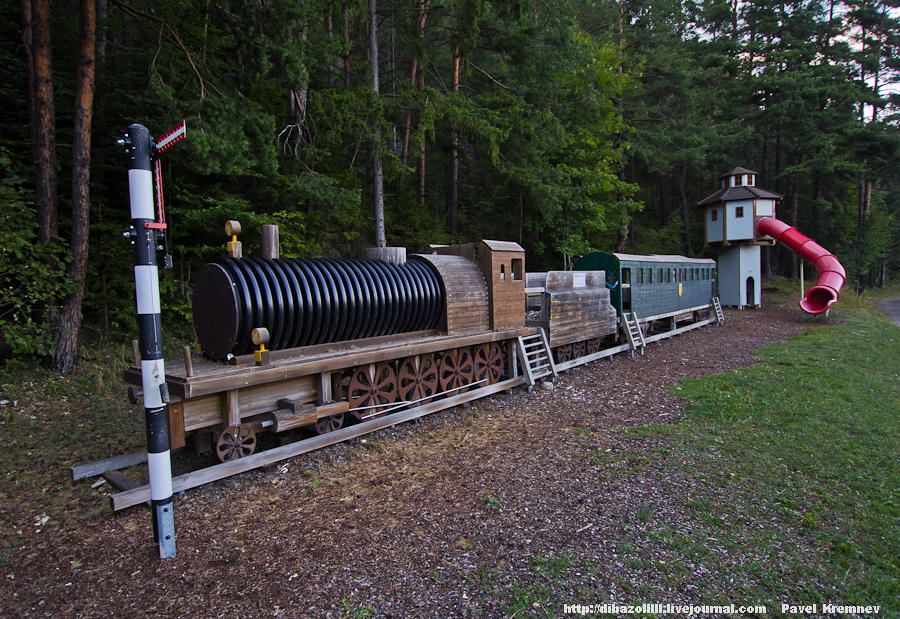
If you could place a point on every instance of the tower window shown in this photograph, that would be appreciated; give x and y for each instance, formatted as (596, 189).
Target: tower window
(516, 268)
(739, 211)
(714, 216)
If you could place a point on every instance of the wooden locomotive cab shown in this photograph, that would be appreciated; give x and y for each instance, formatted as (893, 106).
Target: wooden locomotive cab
(502, 266)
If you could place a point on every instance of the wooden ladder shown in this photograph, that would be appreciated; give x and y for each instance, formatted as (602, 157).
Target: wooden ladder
(633, 332)
(720, 315)
(534, 355)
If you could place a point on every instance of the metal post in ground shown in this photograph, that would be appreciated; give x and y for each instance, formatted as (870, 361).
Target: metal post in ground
(139, 147)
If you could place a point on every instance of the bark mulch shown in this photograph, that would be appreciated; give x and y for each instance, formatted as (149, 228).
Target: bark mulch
(455, 515)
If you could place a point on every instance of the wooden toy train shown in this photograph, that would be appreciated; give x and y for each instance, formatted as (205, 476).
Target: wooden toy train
(342, 347)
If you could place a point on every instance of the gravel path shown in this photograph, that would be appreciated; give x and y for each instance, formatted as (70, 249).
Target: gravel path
(892, 309)
(437, 518)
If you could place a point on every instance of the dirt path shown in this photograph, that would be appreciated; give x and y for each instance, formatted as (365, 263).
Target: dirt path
(421, 519)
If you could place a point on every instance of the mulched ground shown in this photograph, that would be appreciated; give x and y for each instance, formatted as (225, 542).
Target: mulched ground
(455, 515)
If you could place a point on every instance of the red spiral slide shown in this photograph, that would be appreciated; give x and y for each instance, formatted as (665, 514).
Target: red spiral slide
(820, 297)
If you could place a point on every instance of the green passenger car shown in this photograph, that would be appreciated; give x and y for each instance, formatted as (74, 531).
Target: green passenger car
(654, 286)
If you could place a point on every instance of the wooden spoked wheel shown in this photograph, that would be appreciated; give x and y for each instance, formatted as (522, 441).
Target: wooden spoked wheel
(372, 387)
(418, 379)
(235, 442)
(563, 353)
(488, 363)
(457, 370)
(329, 424)
(579, 349)
(594, 345)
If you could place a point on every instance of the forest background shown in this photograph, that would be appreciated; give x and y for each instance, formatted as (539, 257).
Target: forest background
(568, 126)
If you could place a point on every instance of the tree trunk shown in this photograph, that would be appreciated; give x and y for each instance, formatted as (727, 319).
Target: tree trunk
(685, 215)
(45, 119)
(454, 146)
(101, 131)
(622, 239)
(420, 85)
(816, 197)
(346, 13)
(662, 181)
(380, 240)
(864, 198)
(70, 320)
(29, 80)
(795, 218)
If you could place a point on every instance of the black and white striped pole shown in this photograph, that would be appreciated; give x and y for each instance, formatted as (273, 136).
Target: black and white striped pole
(144, 227)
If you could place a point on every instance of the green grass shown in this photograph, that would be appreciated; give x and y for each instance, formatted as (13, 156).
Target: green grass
(798, 457)
(786, 475)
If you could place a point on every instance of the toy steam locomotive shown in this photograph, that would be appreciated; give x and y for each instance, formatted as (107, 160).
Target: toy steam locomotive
(318, 344)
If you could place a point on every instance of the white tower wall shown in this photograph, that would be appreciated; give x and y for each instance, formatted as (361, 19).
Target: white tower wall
(740, 276)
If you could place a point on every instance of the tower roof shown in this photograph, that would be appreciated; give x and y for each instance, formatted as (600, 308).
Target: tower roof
(743, 192)
(738, 170)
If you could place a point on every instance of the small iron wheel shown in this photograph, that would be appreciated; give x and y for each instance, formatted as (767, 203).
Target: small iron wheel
(579, 349)
(594, 345)
(489, 363)
(329, 424)
(372, 387)
(457, 370)
(235, 442)
(418, 379)
(563, 353)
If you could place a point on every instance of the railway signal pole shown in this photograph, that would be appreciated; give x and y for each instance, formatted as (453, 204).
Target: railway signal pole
(144, 232)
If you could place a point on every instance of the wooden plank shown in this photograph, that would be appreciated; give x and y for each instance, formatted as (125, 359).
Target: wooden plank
(141, 494)
(608, 352)
(203, 412)
(676, 312)
(176, 425)
(210, 410)
(324, 388)
(285, 420)
(176, 372)
(99, 467)
(120, 481)
(232, 407)
(679, 330)
(255, 375)
(246, 373)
